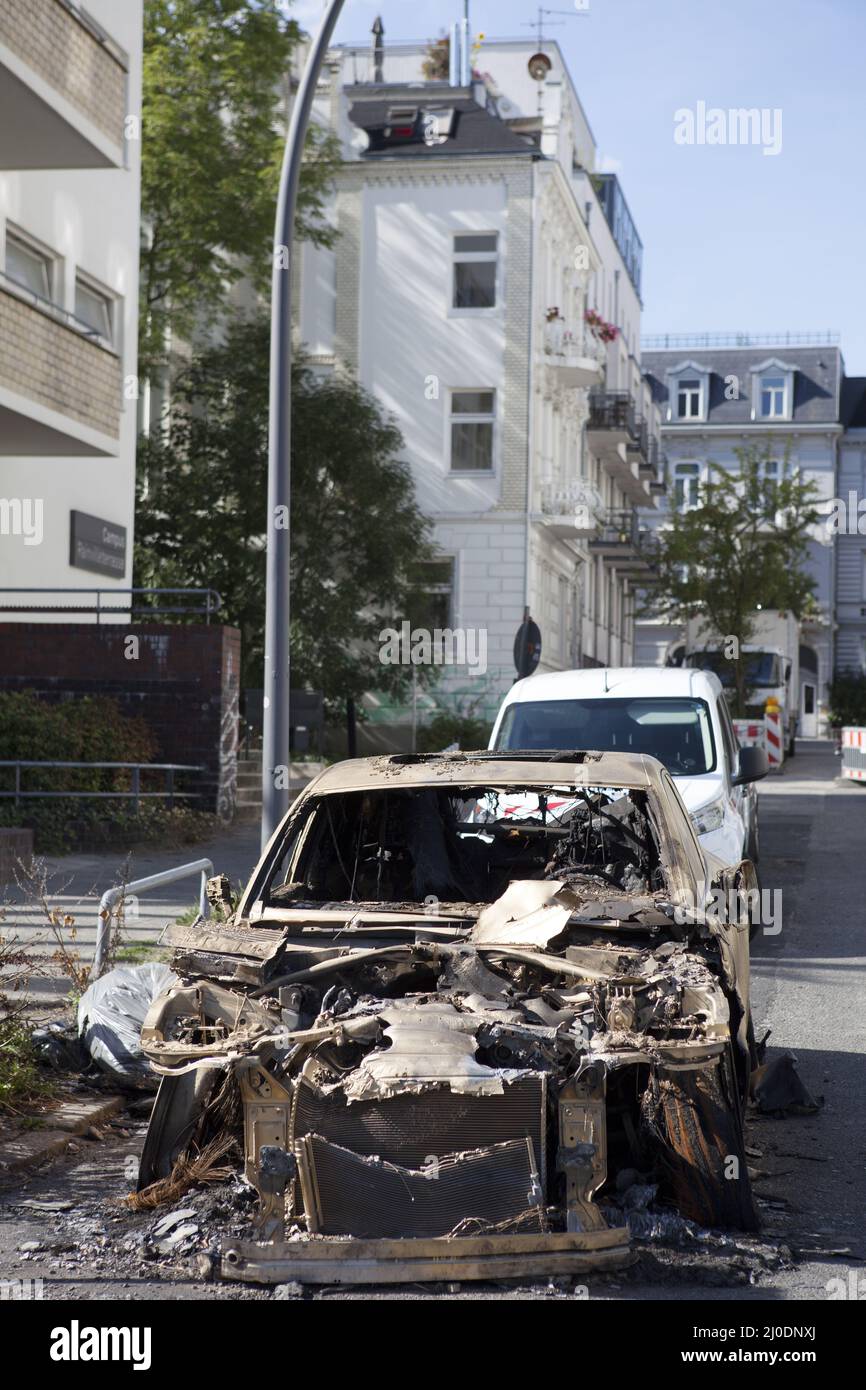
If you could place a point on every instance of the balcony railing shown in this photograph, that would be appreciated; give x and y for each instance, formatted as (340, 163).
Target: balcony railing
(575, 348)
(577, 498)
(623, 541)
(612, 410)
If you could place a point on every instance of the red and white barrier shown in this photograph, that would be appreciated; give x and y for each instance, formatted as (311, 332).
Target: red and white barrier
(750, 732)
(774, 734)
(767, 733)
(854, 753)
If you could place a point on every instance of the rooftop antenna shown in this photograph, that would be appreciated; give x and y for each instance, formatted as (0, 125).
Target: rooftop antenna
(538, 23)
(539, 64)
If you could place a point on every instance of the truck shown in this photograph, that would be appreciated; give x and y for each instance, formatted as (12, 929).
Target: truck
(772, 665)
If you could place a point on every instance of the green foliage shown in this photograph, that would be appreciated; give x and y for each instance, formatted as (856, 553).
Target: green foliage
(466, 730)
(356, 531)
(212, 146)
(91, 729)
(21, 1081)
(847, 699)
(744, 547)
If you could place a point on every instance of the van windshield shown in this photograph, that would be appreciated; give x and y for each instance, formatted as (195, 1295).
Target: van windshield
(762, 668)
(676, 731)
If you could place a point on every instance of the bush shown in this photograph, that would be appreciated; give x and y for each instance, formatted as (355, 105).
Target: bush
(467, 731)
(20, 1079)
(847, 699)
(91, 729)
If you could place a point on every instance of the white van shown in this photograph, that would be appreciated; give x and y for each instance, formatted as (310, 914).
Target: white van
(677, 715)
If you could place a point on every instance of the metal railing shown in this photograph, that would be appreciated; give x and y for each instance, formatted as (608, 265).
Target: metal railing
(211, 602)
(135, 794)
(142, 885)
(612, 410)
(658, 342)
(577, 495)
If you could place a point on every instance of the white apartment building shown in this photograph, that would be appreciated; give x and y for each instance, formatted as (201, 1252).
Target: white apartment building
(70, 153)
(485, 287)
(721, 392)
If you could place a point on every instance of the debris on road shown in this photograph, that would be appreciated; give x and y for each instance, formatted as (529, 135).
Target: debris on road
(110, 1015)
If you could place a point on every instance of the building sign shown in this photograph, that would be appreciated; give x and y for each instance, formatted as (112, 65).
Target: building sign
(97, 545)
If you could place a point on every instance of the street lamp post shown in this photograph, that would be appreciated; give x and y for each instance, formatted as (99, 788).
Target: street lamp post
(275, 749)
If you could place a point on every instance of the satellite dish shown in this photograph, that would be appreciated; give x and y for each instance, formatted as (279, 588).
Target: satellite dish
(539, 66)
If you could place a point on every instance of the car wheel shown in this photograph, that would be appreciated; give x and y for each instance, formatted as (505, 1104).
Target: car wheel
(703, 1156)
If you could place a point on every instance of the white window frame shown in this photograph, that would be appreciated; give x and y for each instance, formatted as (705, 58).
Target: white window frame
(475, 257)
(773, 368)
(40, 251)
(112, 301)
(688, 371)
(694, 473)
(473, 418)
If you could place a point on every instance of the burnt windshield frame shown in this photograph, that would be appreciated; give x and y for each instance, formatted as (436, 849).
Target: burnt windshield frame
(607, 702)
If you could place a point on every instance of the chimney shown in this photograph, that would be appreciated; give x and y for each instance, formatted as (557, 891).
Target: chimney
(378, 50)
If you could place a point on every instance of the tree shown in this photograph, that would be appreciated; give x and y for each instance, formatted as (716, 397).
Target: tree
(357, 533)
(743, 547)
(212, 146)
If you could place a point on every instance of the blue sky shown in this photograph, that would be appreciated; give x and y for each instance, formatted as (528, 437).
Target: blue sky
(733, 239)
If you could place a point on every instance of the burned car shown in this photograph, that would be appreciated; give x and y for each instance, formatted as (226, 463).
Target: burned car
(461, 995)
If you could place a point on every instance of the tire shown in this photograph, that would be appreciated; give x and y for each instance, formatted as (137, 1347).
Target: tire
(700, 1126)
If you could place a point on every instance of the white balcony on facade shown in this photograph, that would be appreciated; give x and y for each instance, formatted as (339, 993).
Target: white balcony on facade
(63, 88)
(574, 353)
(571, 511)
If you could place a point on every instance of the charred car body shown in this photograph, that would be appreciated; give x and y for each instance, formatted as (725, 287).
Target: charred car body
(460, 995)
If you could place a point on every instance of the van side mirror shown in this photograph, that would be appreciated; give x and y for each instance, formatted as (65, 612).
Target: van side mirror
(752, 765)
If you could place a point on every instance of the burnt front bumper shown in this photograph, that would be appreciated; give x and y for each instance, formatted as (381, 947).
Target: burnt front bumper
(320, 1260)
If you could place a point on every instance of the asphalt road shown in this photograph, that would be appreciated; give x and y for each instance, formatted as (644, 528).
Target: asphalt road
(807, 986)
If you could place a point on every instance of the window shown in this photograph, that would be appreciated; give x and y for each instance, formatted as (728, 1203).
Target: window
(689, 399)
(676, 731)
(773, 397)
(687, 477)
(431, 601)
(28, 267)
(472, 419)
(93, 309)
(475, 265)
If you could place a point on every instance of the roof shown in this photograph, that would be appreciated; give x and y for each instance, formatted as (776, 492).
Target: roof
(484, 769)
(816, 383)
(618, 682)
(475, 131)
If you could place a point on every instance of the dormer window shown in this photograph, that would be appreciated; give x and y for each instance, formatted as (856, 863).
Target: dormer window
(688, 392)
(689, 399)
(773, 397)
(772, 391)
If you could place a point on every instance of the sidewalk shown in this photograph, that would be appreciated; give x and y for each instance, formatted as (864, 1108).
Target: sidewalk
(76, 883)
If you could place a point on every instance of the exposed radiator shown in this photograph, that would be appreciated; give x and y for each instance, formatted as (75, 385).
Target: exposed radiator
(409, 1129)
(345, 1194)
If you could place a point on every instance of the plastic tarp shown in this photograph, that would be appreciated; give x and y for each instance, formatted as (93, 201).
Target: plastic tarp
(111, 1013)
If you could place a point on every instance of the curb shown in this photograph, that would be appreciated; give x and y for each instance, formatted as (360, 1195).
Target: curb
(72, 1118)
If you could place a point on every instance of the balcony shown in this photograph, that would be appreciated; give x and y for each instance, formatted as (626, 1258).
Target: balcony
(60, 385)
(614, 435)
(63, 85)
(623, 543)
(572, 511)
(574, 353)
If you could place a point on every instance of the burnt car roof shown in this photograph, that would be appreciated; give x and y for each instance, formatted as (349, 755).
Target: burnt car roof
(580, 767)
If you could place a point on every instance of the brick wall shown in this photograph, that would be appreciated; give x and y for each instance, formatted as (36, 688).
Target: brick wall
(44, 360)
(65, 54)
(184, 683)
